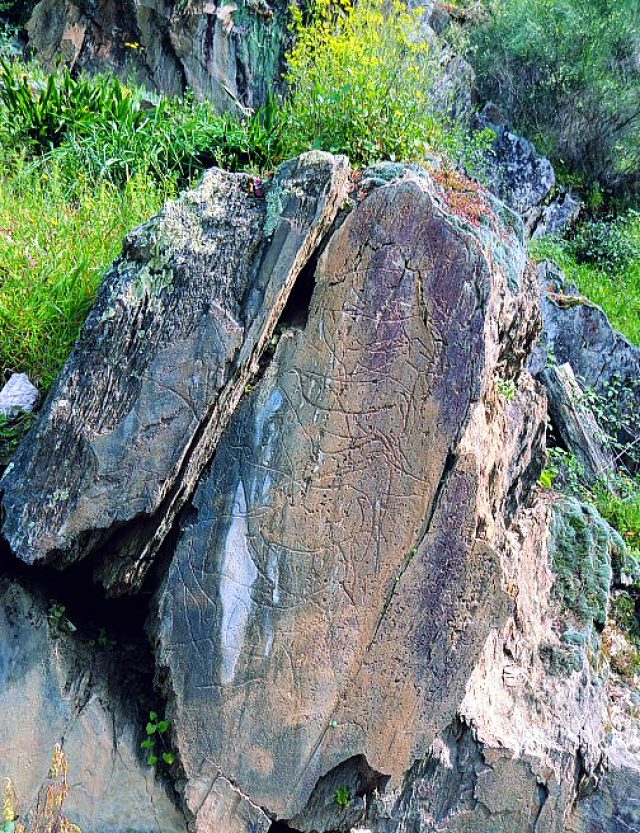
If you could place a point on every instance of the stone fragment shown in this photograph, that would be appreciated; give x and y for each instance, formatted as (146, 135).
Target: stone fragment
(575, 424)
(18, 396)
(174, 338)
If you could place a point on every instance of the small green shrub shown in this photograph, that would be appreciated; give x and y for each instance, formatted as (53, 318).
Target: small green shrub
(613, 244)
(343, 797)
(622, 510)
(155, 743)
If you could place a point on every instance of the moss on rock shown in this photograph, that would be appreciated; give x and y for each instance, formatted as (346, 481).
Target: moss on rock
(581, 546)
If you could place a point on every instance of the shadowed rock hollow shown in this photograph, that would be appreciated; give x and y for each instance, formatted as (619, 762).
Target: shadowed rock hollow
(309, 416)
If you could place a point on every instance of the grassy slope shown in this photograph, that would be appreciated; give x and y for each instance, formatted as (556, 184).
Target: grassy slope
(54, 249)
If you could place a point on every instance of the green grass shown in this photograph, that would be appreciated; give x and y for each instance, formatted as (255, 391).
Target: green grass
(616, 290)
(85, 159)
(55, 244)
(622, 510)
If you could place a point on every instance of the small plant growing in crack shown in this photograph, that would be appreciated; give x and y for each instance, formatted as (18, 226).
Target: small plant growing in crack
(102, 640)
(507, 388)
(59, 622)
(343, 797)
(156, 744)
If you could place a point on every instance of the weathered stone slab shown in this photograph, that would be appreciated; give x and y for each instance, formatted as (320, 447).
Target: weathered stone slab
(175, 336)
(575, 423)
(336, 579)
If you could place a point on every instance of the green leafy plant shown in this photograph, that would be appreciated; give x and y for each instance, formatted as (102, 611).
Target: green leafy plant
(59, 622)
(507, 388)
(547, 477)
(343, 797)
(614, 243)
(155, 743)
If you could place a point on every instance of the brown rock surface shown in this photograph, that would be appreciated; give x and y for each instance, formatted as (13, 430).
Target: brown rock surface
(338, 579)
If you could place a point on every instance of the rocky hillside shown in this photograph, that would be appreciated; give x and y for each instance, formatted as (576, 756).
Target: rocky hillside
(300, 431)
(284, 548)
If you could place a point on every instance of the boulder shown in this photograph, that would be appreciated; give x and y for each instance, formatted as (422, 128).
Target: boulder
(577, 332)
(515, 171)
(18, 396)
(228, 53)
(337, 575)
(174, 338)
(55, 689)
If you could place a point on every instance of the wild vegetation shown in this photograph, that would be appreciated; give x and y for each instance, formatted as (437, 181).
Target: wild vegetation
(603, 260)
(566, 72)
(85, 159)
(47, 814)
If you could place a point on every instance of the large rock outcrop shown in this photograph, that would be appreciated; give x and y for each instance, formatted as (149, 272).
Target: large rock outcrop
(229, 53)
(175, 336)
(315, 408)
(336, 584)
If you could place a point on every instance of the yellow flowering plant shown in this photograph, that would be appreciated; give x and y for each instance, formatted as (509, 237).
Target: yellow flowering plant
(360, 80)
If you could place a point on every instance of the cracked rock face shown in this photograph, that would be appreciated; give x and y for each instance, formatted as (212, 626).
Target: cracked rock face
(175, 335)
(578, 332)
(55, 691)
(228, 53)
(316, 404)
(529, 750)
(337, 578)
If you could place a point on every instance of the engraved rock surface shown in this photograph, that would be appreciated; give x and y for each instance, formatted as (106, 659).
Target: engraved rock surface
(336, 579)
(173, 339)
